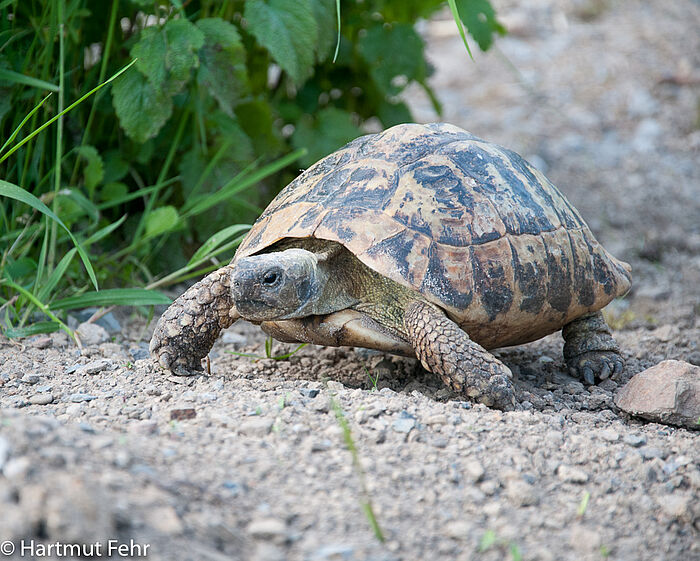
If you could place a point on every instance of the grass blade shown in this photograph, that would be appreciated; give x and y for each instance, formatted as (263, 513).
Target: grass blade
(137, 194)
(104, 232)
(458, 21)
(113, 297)
(55, 275)
(19, 127)
(66, 110)
(43, 307)
(337, 43)
(236, 185)
(34, 329)
(216, 240)
(18, 78)
(14, 192)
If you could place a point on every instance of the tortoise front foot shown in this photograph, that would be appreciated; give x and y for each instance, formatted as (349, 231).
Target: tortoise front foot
(466, 367)
(590, 351)
(187, 330)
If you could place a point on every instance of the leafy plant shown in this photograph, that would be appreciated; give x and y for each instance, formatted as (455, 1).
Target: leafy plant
(224, 102)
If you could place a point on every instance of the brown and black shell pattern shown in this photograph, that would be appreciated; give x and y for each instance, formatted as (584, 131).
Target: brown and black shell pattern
(471, 225)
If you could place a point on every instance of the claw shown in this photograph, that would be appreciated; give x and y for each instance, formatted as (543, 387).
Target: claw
(605, 371)
(618, 367)
(588, 375)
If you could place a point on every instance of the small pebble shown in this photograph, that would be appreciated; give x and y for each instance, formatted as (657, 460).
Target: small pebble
(93, 367)
(268, 528)
(80, 397)
(458, 530)
(139, 353)
(41, 342)
(182, 414)
(92, 334)
(404, 424)
(635, 440)
(571, 474)
(309, 392)
(609, 435)
(649, 452)
(257, 426)
(521, 493)
(41, 399)
(30, 378)
(474, 470)
(334, 386)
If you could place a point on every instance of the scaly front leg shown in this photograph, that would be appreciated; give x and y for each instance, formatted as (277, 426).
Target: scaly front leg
(446, 350)
(188, 329)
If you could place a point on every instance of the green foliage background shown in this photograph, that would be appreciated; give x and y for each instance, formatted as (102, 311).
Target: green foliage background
(226, 102)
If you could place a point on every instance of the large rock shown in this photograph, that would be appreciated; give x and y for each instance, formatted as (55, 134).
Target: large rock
(667, 393)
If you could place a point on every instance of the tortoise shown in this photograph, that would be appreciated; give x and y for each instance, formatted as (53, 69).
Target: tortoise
(422, 240)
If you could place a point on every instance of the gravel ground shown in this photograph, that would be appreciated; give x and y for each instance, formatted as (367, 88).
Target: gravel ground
(250, 461)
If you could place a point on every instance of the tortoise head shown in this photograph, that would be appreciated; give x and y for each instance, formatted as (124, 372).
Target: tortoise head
(279, 285)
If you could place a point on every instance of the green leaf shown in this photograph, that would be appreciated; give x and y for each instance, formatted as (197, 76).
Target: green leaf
(115, 190)
(222, 70)
(394, 55)
(287, 29)
(183, 40)
(167, 54)
(17, 78)
(94, 170)
(115, 166)
(55, 276)
(34, 329)
(142, 110)
(229, 131)
(480, 19)
(150, 52)
(22, 267)
(161, 220)
(14, 192)
(460, 27)
(331, 129)
(80, 202)
(325, 16)
(113, 297)
(216, 240)
(104, 232)
(258, 123)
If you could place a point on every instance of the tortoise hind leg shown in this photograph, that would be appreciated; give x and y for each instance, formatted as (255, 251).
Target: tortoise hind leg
(446, 350)
(590, 350)
(188, 329)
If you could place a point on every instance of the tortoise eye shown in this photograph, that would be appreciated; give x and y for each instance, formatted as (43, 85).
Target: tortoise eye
(270, 278)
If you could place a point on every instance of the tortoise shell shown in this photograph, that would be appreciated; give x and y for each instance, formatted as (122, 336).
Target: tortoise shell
(472, 226)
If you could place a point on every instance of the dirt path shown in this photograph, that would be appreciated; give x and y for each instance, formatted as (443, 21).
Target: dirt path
(250, 462)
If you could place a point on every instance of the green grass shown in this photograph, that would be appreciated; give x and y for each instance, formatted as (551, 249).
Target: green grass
(365, 499)
(491, 540)
(583, 505)
(373, 379)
